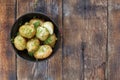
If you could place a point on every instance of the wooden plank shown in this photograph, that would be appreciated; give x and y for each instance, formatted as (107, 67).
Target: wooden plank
(114, 40)
(73, 27)
(95, 38)
(29, 70)
(7, 55)
(54, 10)
(95, 51)
(85, 39)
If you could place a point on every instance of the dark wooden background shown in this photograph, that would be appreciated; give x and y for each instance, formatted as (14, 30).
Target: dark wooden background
(90, 46)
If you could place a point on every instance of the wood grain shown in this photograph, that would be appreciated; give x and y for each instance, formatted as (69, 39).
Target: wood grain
(7, 55)
(85, 36)
(114, 40)
(95, 51)
(95, 37)
(73, 24)
(89, 48)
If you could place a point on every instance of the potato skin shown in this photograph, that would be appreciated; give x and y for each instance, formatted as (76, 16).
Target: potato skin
(33, 45)
(27, 31)
(42, 33)
(44, 51)
(20, 42)
(51, 40)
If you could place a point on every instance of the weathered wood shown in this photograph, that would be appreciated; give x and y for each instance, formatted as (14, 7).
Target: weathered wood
(95, 50)
(85, 39)
(73, 26)
(7, 55)
(89, 49)
(114, 40)
(95, 38)
(54, 10)
(27, 70)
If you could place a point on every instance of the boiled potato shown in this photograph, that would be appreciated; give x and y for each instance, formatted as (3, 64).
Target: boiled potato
(20, 42)
(36, 22)
(42, 33)
(51, 40)
(49, 26)
(43, 52)
(27, 31)
(32, 45)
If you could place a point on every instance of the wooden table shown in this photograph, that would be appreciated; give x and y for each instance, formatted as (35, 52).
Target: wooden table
(90, 45)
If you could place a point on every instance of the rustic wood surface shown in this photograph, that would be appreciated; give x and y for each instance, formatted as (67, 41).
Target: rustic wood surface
(7, 58)
(113, 40)
(89, 48)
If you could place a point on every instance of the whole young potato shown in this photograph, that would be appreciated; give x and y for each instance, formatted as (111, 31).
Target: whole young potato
(42, 33)
(43, 52)
(49, 26)
(36, 22)
(27, 31)
(51, 40)
(20, 42)
(32, 45)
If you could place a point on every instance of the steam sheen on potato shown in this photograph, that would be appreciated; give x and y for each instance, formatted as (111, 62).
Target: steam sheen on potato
(49, 26)
(33, 45)
(20, 42)
(43, 52)
(42, 33)
(27, 31)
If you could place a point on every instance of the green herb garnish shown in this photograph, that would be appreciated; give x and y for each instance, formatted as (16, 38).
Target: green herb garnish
(30, 53)
(48, 41)
(36, 24)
